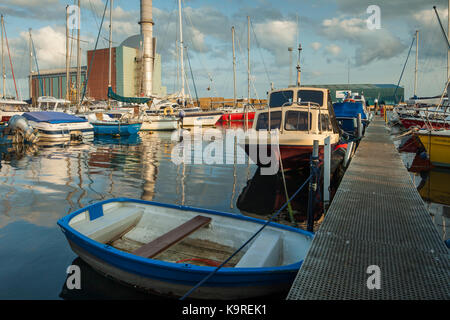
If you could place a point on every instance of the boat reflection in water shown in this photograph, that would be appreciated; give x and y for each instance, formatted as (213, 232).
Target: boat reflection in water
(434, 188)
(265, 194)
(95, 286)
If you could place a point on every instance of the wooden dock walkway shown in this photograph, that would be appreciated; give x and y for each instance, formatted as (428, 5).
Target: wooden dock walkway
(377, 218)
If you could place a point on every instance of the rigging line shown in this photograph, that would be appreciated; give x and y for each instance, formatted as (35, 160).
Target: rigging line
(192, 76)
(41, 82)
(262, 57)
(95, 14)
(10, 61)
(93, 54)
(165, 41)
(401, 75)
(207, 71)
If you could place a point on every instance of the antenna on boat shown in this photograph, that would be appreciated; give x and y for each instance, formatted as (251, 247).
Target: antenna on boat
(299, 72)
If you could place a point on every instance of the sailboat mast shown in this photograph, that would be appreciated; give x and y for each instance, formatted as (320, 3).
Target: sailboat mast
(67, 56)
(181, 51)
(3, 58)
(248, 57)
(417, 59)
(448, 36)
(78, 88)
(234, 69)
(110, 42)
(30, 80)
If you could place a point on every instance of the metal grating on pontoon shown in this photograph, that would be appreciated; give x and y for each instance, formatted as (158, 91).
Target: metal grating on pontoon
(378, 218)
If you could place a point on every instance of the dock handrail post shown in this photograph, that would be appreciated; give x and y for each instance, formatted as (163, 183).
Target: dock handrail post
(360, 127)
(312, 185)
(326, 172)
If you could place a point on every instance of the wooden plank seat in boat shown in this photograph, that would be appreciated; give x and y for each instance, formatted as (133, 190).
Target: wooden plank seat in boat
(172, 237)
(265, 251)
(111, 225)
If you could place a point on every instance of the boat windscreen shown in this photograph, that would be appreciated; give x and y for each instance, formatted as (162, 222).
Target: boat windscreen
(304, 96)
(263, 121)
(297, 121)
(281, 98)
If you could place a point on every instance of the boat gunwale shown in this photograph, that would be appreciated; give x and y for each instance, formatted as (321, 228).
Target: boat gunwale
(63, 223)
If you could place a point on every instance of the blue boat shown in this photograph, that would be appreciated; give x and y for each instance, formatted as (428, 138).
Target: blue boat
(105, 125)
(116, 128)
(168, 249)
(347, 111)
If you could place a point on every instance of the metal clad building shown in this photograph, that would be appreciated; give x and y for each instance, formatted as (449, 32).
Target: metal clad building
(126, 71)
(52, 83)
(98, 64)
(382, 92)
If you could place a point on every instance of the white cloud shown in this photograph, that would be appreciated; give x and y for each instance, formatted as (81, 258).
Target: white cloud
(370, 45)
(276, 36)
(316, 46)
(333, 49)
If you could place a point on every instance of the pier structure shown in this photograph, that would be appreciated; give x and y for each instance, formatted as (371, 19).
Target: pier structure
(377, 241)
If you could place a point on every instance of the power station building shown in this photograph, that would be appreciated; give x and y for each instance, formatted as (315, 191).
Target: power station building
(384, 93)
(126, 71)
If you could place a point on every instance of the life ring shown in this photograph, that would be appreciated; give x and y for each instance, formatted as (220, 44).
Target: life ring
(167, 109)
(349, 100)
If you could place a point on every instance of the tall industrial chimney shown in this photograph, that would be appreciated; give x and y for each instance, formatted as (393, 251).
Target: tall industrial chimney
(147, 36)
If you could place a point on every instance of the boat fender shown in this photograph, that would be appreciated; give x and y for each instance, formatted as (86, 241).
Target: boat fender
(168, 109)
(342, 145)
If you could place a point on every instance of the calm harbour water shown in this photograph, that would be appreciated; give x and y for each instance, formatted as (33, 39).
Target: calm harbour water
(40, 185)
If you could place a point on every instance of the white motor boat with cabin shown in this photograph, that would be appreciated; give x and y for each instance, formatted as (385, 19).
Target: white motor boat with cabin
(300, 115)
(59, 127)
(52, 104)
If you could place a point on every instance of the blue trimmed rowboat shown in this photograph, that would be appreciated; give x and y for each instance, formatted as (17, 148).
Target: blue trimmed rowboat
(168, 249)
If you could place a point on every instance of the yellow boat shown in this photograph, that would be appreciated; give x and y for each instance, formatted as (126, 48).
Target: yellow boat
(436, 188)
(437, 144)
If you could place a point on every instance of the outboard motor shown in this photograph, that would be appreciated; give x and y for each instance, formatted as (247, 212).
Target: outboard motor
(20, 126)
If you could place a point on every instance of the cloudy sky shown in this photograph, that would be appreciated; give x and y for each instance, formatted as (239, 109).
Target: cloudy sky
(337, 44)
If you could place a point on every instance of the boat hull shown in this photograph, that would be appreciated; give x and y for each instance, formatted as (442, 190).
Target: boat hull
(412, 122)
(180, 283)
(437, 147)
(160, 125)
(293, 157)
(62, 133)
(204, 120)
(237, 116)
(176, 279)
(124, 129)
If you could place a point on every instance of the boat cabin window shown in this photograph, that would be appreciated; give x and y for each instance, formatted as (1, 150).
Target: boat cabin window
(263, 121)
(325, 122)
(305, 96)
(281, 98)
(297, 121)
